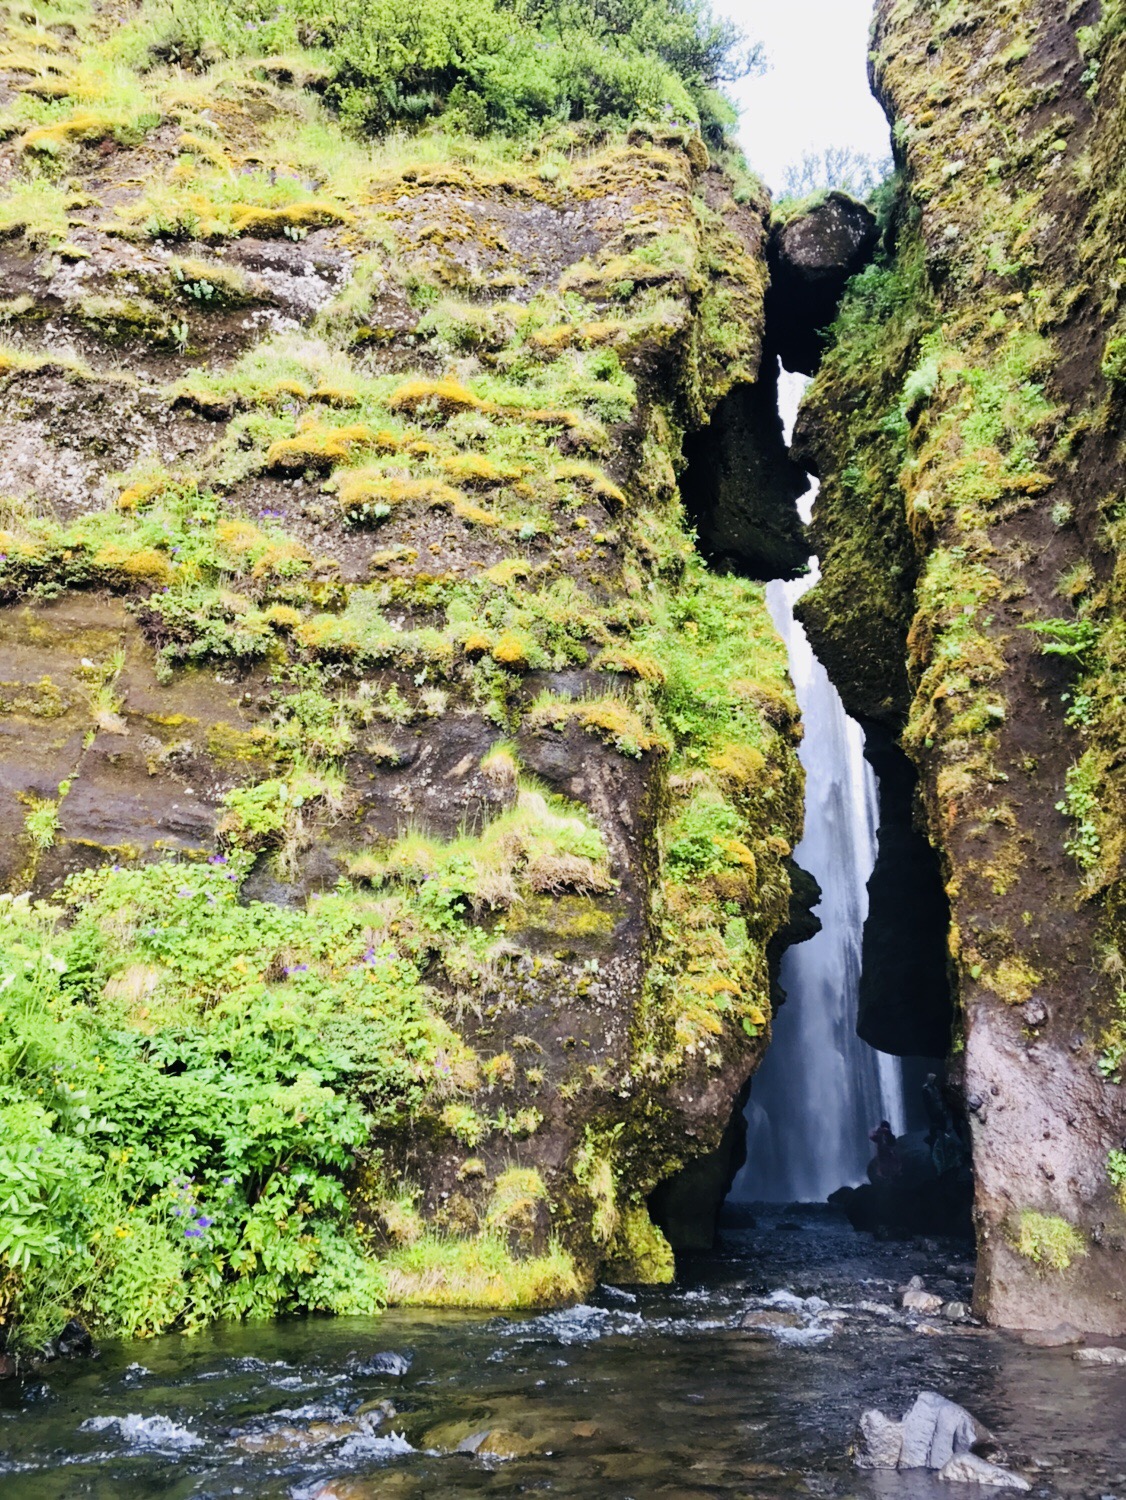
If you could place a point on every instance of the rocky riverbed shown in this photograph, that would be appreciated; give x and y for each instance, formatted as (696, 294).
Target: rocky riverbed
(658, 1393)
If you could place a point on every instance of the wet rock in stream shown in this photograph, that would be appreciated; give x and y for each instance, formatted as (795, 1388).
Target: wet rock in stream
(935, 1434)
(968, 1468)
(386, 1363)
(1105, 1356)
(1052, 1338)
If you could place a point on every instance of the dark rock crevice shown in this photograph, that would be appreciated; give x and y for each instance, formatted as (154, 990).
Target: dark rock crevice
(905, 999)
(741, 488)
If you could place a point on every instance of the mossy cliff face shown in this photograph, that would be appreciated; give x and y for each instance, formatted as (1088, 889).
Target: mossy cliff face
(406, 806)
(968, 429)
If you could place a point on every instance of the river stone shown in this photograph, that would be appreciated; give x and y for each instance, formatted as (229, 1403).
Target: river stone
(495, 1442)
(386, 1363)
(1052, 1338)
(935, 1430)
(918, 1301)
(295, 1439)
(1104, 1356)
(968, 1468)
(956, 1312)
(881, 1442)
(768, 1319)
(74, 1342)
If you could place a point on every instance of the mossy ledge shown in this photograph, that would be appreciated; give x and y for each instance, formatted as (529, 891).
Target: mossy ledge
(395, 811)
(968, 424)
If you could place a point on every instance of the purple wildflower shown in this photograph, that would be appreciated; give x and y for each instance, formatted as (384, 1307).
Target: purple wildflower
(205, 1222)
(193, 1234)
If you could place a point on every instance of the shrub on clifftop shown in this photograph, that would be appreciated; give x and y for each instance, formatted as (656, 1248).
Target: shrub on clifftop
(485, 64)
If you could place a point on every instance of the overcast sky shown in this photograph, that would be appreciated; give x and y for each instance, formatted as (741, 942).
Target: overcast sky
(815, 93)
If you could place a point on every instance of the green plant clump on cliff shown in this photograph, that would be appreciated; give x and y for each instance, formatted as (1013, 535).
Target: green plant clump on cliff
(187, 1079)
(485, 64)
(1051, 1242)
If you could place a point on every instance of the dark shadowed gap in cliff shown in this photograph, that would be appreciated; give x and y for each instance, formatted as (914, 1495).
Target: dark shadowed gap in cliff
(741, 487)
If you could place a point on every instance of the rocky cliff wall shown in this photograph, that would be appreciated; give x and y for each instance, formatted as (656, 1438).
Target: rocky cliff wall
(404, 808)
(967, 426)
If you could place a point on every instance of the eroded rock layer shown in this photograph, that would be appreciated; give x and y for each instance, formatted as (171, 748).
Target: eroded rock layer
(967, 425)
(408, 807)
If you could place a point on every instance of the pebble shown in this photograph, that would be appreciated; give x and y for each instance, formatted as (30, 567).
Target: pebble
(917, 1300)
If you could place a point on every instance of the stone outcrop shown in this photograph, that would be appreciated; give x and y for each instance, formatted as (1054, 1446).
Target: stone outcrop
(966, 428)
(812, 254)
(343, 566)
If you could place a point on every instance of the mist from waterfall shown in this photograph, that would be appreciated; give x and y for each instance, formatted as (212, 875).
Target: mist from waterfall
(820, 1089)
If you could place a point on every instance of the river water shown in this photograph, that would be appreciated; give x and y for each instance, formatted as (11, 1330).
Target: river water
(656, 1393)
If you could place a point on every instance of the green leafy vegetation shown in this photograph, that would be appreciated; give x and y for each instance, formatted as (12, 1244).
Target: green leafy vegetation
(1116, 1172)
(179, 1122)
(485, 65)
(1051, 1242)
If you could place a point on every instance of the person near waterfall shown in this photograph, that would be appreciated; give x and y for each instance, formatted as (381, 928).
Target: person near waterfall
(887, 1166)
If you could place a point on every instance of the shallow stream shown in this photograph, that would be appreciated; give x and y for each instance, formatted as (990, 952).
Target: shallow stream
(657, 1393)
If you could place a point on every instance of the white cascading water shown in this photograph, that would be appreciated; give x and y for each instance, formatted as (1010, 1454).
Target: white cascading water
(820, 1089)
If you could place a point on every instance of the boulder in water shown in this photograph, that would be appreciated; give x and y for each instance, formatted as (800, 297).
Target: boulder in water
(969, 1468)
(385, 1363)
(767, 1320)
(935, 1430)
(1104, 1356)
(74, 1342)
(1052, 1338)
(495, 1442)
(917, 1300)
(932, 1433)
(881, 1442)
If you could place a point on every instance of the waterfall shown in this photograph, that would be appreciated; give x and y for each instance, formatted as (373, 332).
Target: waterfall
(820, 1089)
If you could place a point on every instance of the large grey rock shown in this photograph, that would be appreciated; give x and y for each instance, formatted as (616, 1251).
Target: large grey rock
(969, 1468)
(935, 1430)
(880, 1443)
(1104, 1356)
